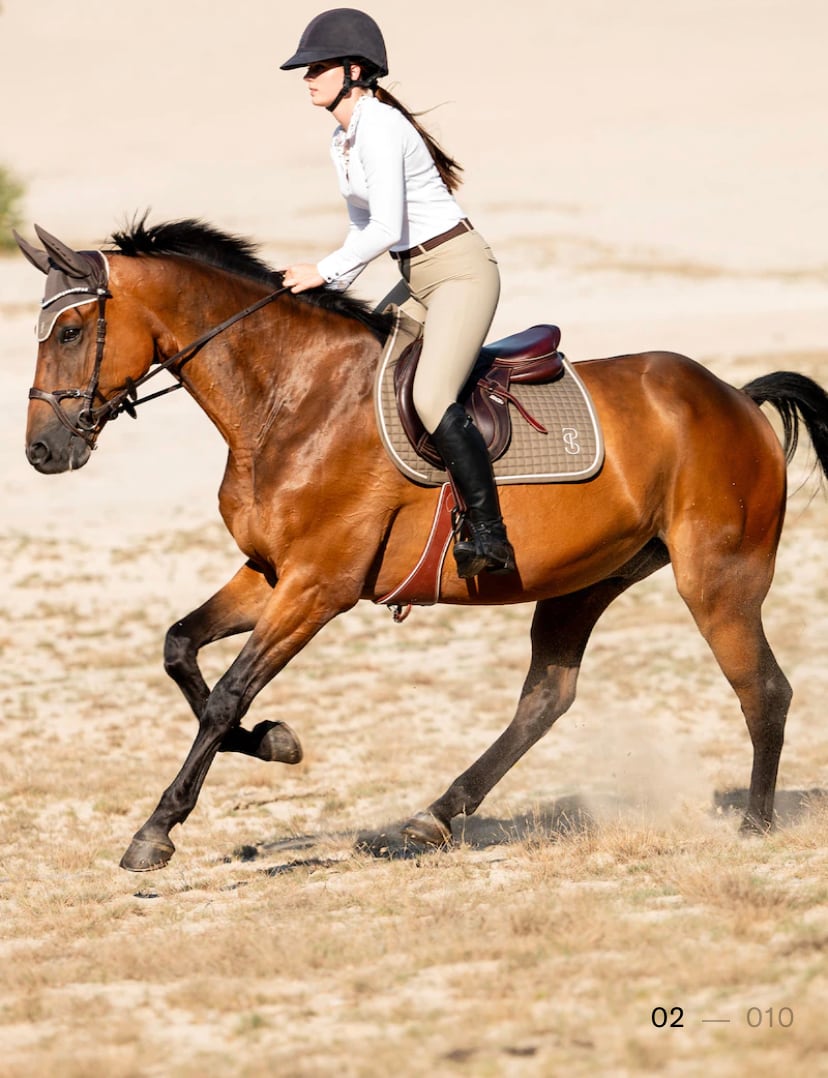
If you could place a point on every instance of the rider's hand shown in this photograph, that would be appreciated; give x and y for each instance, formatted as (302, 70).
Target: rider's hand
(302, 276)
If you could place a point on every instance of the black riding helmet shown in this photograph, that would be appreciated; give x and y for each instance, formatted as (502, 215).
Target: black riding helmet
(344, 34)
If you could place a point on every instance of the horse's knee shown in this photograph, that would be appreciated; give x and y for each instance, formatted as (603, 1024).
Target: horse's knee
(179, 653)
(222, 712)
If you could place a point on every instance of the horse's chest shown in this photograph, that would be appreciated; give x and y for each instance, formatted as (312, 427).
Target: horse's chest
(249, 528)
(248, 518)
(263, 517)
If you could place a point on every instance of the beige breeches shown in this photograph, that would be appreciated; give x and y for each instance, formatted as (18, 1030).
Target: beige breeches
(454, 289)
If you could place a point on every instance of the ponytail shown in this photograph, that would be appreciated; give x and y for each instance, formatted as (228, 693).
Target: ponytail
(448, 168)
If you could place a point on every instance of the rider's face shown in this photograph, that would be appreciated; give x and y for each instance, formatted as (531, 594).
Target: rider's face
(324, 81)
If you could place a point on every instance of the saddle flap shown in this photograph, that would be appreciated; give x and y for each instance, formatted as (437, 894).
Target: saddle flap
(416, 433)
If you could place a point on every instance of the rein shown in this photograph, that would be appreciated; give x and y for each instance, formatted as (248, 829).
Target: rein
(90, 420)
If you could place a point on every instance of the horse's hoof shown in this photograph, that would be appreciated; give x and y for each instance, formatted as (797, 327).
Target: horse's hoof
(144, 855)
(277, 742)
(425, 829)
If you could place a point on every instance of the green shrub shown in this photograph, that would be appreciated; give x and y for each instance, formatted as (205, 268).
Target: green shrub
(11, 191)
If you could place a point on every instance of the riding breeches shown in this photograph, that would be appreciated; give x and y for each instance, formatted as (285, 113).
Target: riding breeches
(456, 286)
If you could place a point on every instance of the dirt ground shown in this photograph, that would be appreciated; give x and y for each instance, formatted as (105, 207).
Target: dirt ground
(649, 177)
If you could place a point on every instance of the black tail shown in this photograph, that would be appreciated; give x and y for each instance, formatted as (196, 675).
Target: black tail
(796, 398)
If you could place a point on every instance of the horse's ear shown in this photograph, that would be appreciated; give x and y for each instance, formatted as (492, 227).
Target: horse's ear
(71, 262)
(39, 259)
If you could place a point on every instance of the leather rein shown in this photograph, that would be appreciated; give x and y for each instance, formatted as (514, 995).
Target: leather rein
(90, 420)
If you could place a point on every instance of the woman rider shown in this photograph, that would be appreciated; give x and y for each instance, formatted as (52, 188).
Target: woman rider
(398, 184)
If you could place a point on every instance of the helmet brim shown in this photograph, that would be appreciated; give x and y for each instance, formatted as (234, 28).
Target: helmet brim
(304, 57)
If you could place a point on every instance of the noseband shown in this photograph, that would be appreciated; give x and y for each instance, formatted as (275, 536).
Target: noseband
(91, 420)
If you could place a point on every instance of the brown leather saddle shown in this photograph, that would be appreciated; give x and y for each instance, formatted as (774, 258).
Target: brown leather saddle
(527, 358)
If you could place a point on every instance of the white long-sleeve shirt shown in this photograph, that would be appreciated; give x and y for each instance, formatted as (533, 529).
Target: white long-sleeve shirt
(395, 196)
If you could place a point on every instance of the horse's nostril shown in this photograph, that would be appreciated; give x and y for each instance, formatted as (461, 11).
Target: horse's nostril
(37, 453)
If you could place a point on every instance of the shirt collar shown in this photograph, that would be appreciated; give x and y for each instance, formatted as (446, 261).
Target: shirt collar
(343, 137)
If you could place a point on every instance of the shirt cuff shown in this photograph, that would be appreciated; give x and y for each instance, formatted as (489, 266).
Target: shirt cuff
(338, 282)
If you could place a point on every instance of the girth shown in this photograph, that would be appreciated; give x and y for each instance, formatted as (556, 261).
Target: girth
(527, 358)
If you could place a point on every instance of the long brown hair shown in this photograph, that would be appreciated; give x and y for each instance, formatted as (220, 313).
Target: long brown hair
(448, 168)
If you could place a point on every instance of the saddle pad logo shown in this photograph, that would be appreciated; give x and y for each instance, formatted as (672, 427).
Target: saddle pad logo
(570, 440)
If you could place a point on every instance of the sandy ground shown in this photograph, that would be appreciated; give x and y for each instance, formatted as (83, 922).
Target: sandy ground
(650, 174)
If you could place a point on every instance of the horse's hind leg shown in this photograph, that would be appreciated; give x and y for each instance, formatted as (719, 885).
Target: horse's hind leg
(726, 603)
(560, 631)
(233, 609)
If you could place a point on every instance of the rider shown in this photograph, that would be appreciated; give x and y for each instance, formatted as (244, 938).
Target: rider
(399, 184)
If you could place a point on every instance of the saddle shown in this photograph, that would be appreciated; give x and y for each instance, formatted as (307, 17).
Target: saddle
(527, 358)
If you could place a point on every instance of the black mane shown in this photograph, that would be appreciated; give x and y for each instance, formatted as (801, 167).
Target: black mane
(198, 240)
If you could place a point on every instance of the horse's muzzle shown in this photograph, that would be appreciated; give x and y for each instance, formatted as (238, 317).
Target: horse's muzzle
(56, 450)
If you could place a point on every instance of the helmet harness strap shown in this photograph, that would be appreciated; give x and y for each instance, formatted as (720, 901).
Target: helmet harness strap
(348, 83)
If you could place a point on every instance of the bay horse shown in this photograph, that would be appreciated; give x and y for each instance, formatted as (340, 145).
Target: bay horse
(693, 476)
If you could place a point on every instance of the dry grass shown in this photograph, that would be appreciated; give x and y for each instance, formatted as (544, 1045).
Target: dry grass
(603, 878)
(545, 955)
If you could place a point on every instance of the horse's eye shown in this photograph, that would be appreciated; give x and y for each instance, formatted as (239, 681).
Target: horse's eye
(69, 334)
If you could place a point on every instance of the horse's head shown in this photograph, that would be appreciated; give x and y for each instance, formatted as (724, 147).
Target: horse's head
(75, 391)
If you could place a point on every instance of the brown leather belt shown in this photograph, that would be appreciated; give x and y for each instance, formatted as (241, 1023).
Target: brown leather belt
(462, 226)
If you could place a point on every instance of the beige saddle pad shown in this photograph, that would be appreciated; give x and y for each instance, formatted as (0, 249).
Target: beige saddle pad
(572, 449)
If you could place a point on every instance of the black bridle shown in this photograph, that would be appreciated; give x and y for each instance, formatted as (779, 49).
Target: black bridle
(90, 419)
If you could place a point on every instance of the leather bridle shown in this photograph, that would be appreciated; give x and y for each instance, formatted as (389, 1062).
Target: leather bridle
(85, 426)
(90, 419)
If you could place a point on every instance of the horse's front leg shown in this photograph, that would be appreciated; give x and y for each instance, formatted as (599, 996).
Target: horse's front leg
(297, 610)
(234, 609)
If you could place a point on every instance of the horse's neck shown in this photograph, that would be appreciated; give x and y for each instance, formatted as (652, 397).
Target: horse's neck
(227, 380)
(279, 372)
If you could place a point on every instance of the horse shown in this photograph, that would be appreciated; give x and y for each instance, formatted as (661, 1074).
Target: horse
(694, 476)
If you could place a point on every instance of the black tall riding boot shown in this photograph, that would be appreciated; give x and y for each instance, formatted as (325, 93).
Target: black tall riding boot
(464, 453)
